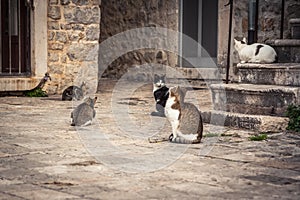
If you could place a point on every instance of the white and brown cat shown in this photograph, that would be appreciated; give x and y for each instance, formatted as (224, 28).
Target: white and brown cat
(255, 53)
(185, 118)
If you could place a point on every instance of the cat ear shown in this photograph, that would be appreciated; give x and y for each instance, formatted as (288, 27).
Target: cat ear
(155, 76)
(177, 88)
(95, 99)
(244, 40)
(184, 90)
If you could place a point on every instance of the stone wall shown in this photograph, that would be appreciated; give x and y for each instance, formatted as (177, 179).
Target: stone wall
(120, 16)
(73, 35)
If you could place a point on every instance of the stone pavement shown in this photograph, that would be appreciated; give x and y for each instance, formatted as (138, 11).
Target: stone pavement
(43, 157)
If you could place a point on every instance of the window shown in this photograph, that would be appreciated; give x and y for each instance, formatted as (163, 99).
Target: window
(15, 37)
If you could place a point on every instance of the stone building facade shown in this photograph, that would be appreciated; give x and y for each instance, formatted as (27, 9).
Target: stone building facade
(66, 35)
(73, 35)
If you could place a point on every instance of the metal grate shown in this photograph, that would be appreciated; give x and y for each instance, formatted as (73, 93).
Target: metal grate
(14, 37)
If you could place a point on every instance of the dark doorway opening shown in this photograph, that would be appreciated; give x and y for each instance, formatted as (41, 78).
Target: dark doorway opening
(199, 21)
(14, 37)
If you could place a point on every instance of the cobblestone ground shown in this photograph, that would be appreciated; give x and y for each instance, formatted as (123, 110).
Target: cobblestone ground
(43, 157)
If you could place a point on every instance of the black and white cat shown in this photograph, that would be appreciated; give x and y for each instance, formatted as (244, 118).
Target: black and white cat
(161, 94)
(255, 53)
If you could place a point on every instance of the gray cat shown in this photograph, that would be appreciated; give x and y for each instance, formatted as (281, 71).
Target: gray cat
(185, 118)
(84, 113)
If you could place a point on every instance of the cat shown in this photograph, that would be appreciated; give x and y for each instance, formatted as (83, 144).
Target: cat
(160, 93)
(185, 118)
(84, 113)
(73, 92)
(255, 53)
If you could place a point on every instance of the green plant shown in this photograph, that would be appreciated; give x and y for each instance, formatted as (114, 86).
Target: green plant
(293, 113)
(211, 135)
(259, 137)
(36, 93)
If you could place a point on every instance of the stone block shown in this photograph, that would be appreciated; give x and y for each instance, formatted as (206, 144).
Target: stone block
(53, 25)
(61, 37)
(92, 33)
(270, 74)
(53, 57)
(65, 2)
(54, 12)
(55, 46)
(82, 15)
(83, 52)
(254, 99)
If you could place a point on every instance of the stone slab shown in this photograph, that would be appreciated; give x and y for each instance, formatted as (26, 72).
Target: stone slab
(260, 123)
(287, 74)
(254, 99)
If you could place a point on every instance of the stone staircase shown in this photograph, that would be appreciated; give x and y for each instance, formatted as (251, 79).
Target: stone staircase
(264, 91)
(260, 99)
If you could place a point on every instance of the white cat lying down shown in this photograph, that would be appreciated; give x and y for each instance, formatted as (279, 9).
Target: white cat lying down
(255, 53)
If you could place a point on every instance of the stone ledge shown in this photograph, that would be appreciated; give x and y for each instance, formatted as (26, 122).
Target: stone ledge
(269, 66)
(17, 84)
(285, 42)
(285, 74)
(260, 123)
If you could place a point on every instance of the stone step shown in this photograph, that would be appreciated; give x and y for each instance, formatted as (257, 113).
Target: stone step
(287, 74)
(254, 99)
(259, 123)
(288, 50)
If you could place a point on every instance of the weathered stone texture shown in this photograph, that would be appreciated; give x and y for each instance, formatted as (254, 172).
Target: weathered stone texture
(120, 16)
(73, 35)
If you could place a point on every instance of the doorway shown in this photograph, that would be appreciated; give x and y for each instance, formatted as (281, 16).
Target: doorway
(199, 21)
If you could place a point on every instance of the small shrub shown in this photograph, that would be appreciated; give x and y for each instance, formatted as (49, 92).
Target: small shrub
(293, 113)
(36, 93)
(258, 137)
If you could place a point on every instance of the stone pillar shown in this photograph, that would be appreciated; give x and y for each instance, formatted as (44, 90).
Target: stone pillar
(73, 41)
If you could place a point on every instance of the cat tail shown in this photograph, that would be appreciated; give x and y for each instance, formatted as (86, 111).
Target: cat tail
(183, 140)
(200, 128)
